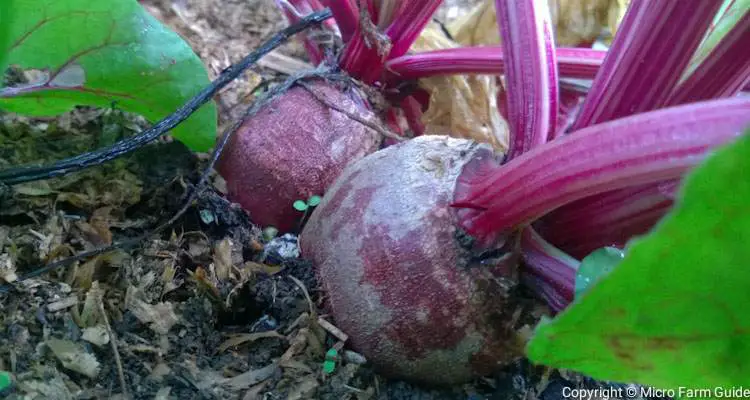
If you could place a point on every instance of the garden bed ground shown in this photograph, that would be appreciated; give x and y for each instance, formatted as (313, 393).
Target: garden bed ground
(208, 310)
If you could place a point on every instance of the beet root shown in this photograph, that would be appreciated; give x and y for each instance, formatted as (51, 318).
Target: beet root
(294, 148)
(401, 279)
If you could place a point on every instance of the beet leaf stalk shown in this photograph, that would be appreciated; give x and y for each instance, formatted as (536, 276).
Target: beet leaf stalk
(640, 149)
(531, 72)
(370, 47)
(724, 72)
(655, 40)
(609, 219)
(719, 73)
(549, 271)
(571, 62)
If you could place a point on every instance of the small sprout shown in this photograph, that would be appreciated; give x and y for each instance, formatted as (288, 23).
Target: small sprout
(313, 201)
(6, 382)
(300, 205)
(329, 365)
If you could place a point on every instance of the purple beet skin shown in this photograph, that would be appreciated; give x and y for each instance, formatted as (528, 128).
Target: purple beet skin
(294, 148)
(400, 278)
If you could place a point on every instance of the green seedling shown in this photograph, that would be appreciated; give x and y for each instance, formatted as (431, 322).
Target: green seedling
(6, 382)
(302, 206)
(306, 207)
(329, 365)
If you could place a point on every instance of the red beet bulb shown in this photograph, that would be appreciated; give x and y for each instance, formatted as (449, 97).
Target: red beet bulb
(400, 277)
(294, 148)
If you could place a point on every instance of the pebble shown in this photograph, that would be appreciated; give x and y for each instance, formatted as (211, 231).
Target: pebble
(285, 246)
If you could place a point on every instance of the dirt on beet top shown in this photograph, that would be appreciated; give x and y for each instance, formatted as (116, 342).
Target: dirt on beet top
(213, 308)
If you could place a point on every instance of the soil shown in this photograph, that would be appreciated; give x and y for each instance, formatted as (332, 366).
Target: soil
(212, 308)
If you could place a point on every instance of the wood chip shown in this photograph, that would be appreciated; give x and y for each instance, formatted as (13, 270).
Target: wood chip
(338, 333)
(63, 304)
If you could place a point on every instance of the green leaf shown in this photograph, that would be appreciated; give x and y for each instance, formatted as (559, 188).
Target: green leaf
(313, 201)
(300, 205)
(97, 53)
(6, 14)
(595, 266)
(674, 313)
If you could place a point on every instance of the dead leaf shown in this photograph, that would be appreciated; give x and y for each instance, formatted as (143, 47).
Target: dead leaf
(7, 268)
(160, 317)
(163, 393)
(74, 357)
(160, 371)
(239, 339)
(35, 188)
(477, 27)
(90, 315)
(254, 393)
(575, 22)
(266, 269)
(50, 385)
(580, 22)
(297, 345)
(297, 365)
(462, 106)
(223, 259)
(97, 335)
(100, 221)
(304, 389)
(252, 377)
(4, 233)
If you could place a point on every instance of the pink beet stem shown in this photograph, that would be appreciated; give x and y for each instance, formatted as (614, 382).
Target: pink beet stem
(645, 148)
(413, 113)
(488, 60)
(408, 22)
(649, 53)
(548, 271)
(724, 72)
(531, 72)
(346, 14)
(412, 17)
(608, 219)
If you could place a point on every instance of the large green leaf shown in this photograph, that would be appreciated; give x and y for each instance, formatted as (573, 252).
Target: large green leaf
(675, 312)
(6, 13)
(103, 52)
